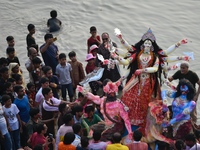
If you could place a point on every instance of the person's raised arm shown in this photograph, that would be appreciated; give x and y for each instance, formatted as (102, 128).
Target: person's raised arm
(44, 48)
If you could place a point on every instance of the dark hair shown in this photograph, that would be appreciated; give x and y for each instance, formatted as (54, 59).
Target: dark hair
(36, 60)
(3, 60)
(29, 85)
(116, 137)
(62, 55)
(137, 135)
(80, 94)
(10, 50)
(162, 145)
(16, 76)
(34, 111)
(61, 107)
(191, 89)
(40, 127)
(44, 80)
(46, 69)
(5, 98)
(84, 141)
(9, 38)
(96, 135)
(72, 54)
(77, 108)
(7, 85)
(38, 147)
(69, 138)
(93, 28)
(45, 91)
(67, 118)
(190, 137)
(88, 109)
(30, 27)
(179, 144)
(11, 80)
(48, 36)
(76, 128)
(3, 69)
(17, 88)
(53, 13)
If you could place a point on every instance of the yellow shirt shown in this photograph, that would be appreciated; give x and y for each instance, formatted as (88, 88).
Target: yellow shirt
(116, 146)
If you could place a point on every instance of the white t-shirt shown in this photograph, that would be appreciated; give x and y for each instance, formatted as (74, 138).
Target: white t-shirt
(11, 116)
(3, 126)
(195, 147)
(97, 146)
(56, 102)
(39, 96)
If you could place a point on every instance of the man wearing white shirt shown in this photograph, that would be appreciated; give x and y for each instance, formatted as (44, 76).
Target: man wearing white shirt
(78, 132)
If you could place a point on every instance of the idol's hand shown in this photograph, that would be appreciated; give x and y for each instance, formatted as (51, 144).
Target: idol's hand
(114, 55)
(118, 33)
(81, 90)
(130, 136)
(138, 72)
(186, 58)
(106, 61)
(183, 41)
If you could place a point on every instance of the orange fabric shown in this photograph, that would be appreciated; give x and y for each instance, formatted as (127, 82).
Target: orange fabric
(62, 146)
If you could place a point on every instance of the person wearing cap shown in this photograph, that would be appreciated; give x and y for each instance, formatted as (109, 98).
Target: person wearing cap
(94, 85)
(184, 72)
(93, 50)
(94, 39)
(50, 52)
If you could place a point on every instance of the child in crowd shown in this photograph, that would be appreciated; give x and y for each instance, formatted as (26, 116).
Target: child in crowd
(77, 69)
(10, 41)
(11, 58)
(53, 23)
(67, 142)
(93, 50)
(63, 109)
(14, 122)
(94, 85)
(64, 73)
(31, 93)
(3, 62)
(30, 40)
(84, 143)
(94, 39)
(3, 78)
(8, 90)
(77, 112)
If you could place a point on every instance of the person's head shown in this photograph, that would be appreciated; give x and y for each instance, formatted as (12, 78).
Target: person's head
(116, 137)
(44, 82)
(3, 62)
(105, 37)
(10, 40)
(47, 93)
(4, 73)
(68, 119)
(36, 62)
(93, 31)
(77, 128)
(14, 67)
(90, 111)
(34, 113)
(48, 71)
(31, 28)
(137, 135)
(72, 56)
(8, 87)
(10, 51)
(31, 87)
(90, 58)
(163, 145)
(185, 87)
(38, 147)
(62, 108)
(96, 135)
(7, 100)
(77, 111)
(12, 80)
(48, 36)
(19, 90)
(93, 50)
(179, 145)
(18, 78)
(190, 140)
(33, 52)
(84, 141)
(41, 128)
(68, 138)
(184, 67)
(63, 59)
(53, 13)
(80, 96)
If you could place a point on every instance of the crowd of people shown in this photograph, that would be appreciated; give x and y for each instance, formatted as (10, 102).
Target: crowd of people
(52, 111)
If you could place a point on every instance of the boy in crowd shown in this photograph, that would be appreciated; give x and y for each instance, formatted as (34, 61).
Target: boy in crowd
(10, 41)
(94, 39)
(53, 23)
(64, 73)
(10, 51)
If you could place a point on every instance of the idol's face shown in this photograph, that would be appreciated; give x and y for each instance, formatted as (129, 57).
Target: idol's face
(147, 44)
(184, 89)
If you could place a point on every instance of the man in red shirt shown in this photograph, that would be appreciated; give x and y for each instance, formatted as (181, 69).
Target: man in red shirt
(94, 39)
